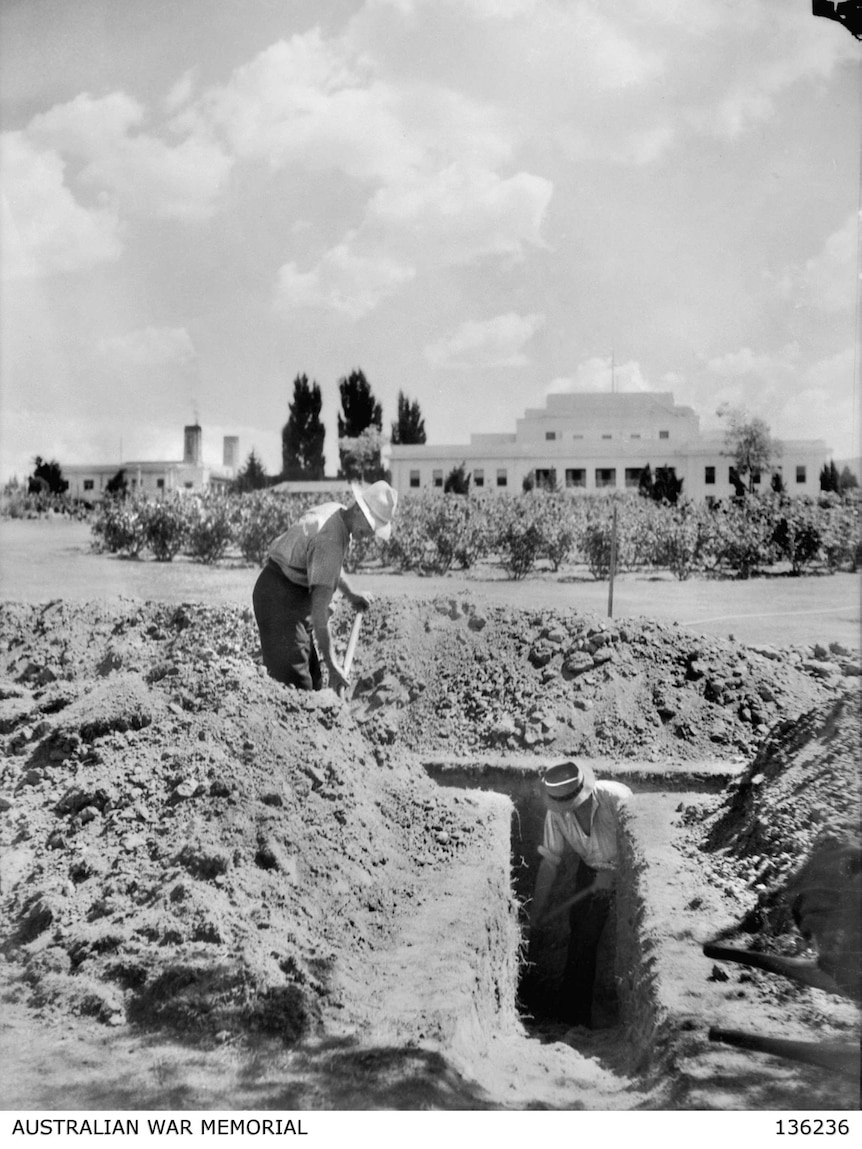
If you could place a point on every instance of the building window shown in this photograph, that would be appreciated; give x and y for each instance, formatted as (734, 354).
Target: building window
(800, 474)
(502, 477)
(709, 476)
(160, 484)
(577, 436)
(755, 476)
(633, 476)
(576, 477)
(437, 478)
(664, 434)
(414, 478)
(88, 484)
(188, 486)
(607, 436)
(634, 436)
(550, 434)
(478, 477)
(606, 476)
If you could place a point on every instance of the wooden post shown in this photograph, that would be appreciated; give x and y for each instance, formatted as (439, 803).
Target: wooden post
(613, 566)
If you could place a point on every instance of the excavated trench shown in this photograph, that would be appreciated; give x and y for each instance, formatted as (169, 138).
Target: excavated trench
(635, 1033)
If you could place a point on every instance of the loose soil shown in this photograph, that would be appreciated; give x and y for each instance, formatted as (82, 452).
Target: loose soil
(221, 893)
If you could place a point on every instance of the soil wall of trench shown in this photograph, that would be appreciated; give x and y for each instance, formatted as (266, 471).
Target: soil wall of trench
(188, 845)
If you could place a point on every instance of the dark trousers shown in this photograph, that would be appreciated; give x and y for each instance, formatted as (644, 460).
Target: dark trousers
(282, 611)
(587, 920)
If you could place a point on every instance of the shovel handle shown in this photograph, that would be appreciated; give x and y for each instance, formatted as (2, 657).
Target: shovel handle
(351, 643)
(800, 970)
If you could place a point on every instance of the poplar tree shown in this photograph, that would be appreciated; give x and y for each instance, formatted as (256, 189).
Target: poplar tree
(409, 426)
(303, 434)
(359, 411)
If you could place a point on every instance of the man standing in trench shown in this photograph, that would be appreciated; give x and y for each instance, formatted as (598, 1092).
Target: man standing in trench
(582, 815)
(292, 596)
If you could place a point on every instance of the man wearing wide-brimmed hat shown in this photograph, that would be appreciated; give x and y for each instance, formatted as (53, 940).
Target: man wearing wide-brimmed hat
(582, 816)
(304, 568)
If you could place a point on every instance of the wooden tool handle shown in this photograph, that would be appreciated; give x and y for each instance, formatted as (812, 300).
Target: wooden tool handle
(351, 643)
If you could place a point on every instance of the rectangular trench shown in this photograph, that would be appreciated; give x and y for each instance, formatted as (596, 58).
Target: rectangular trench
(627, 997)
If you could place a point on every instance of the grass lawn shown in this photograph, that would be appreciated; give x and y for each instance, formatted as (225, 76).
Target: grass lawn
(47, 559)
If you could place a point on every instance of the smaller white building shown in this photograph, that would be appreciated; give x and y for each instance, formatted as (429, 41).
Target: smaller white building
(87, 481)
(599, 442)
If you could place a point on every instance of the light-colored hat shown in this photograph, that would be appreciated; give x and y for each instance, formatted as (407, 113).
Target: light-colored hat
(377, 503)
(568, 781)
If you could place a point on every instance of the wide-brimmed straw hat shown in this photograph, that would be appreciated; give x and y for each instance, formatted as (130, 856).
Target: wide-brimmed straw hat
(567, 781)
(377, 503)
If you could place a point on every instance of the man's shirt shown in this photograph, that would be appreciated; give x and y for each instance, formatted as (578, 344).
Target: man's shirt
(600, 848)
(311, 552)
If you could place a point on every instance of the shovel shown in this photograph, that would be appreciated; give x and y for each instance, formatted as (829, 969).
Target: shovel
(351, 649)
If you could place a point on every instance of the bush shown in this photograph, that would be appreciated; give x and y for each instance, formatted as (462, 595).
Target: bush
(119, 527)
(211, 531)
(166, 527)
(520, 545)
(257, 519)
(795, 535)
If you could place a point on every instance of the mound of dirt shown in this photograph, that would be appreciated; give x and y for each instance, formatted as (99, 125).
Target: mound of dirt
(798, 803)
(185, 841)
(466, 676)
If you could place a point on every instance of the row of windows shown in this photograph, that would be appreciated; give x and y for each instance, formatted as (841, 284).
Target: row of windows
(709, 475)
(550, 435)
(577, 476)
(89, 484)
(478, 474)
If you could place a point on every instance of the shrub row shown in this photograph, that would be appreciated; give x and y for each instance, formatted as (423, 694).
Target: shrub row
(438, 532)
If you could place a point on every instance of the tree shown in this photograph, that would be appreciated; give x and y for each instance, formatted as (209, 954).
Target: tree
(829, 477)
(47, 477)
(847, 481)
(359, 411)
(117, 485)
(251, 477)
(303, 434)
(666, 487)
(410, 426)
(749, 443)
(645, 483)
(457, 482)
(360, 457)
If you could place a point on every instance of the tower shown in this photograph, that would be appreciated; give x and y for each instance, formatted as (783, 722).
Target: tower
(230, 457)
(192, 445)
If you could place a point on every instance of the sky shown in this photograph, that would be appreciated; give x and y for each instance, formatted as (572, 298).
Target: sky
(475, 202)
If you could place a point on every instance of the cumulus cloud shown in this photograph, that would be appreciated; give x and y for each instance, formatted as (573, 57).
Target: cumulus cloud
(308, 101)
(343, 281)
(462, 213)
(746, 362)
(148, 347)
(497, 342)
(44, 228)
(137, 170)
(829, 280)
(600, 374)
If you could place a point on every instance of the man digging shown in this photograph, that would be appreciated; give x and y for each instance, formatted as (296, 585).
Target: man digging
(293, 594)
(582, 816)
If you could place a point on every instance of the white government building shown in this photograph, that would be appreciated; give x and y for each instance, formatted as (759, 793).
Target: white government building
(599, 442)
(87, 481)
